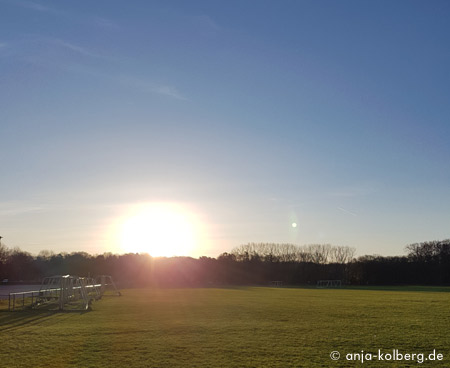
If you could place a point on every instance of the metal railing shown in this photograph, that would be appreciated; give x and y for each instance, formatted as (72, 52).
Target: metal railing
(23, 298)
(29, 298)
(62, 290)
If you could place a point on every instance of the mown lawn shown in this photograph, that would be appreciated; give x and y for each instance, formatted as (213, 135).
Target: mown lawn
(241, 327)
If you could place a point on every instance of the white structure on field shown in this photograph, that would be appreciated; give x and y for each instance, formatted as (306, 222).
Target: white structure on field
(322, 284)
(107, 284)
(67, 292)
(276, 283)
(73, 292)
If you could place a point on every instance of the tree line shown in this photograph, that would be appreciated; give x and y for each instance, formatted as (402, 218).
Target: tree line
(426, 263)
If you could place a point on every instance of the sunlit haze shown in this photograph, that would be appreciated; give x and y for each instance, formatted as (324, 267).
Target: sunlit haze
(193, 127)
(160, 229)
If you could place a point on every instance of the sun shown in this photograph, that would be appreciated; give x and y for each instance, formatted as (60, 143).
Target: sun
(159, 229)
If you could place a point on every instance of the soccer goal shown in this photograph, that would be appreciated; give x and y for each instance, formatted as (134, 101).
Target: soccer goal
(71, 292)
(324, 284)
(66, 292)
(276, 283)
(107, 285)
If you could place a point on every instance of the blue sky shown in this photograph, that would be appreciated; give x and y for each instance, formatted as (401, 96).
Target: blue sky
(251, 114)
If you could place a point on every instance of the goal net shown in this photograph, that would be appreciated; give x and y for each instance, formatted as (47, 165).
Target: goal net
(324, 284)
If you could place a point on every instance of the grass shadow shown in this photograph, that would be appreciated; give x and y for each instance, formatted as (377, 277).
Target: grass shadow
(12, 320)
(18, 319)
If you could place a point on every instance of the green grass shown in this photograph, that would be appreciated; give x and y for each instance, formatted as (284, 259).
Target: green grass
(241, 327)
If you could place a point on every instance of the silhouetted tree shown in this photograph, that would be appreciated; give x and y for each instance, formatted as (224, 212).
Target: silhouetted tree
(249, 264)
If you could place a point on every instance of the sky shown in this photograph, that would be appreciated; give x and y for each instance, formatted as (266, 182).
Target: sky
(244, 116)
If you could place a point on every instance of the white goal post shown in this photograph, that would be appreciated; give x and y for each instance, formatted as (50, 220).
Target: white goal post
(276, 283)
(323, 284)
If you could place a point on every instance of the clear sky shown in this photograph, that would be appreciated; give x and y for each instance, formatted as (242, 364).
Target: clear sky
(244, 116)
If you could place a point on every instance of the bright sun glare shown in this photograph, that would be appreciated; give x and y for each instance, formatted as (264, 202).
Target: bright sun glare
(160, 229)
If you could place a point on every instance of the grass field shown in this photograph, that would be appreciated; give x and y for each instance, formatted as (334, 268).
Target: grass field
(241, 327)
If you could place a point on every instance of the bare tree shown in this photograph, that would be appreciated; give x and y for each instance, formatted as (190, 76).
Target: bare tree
(341, 254)
(319, 253)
